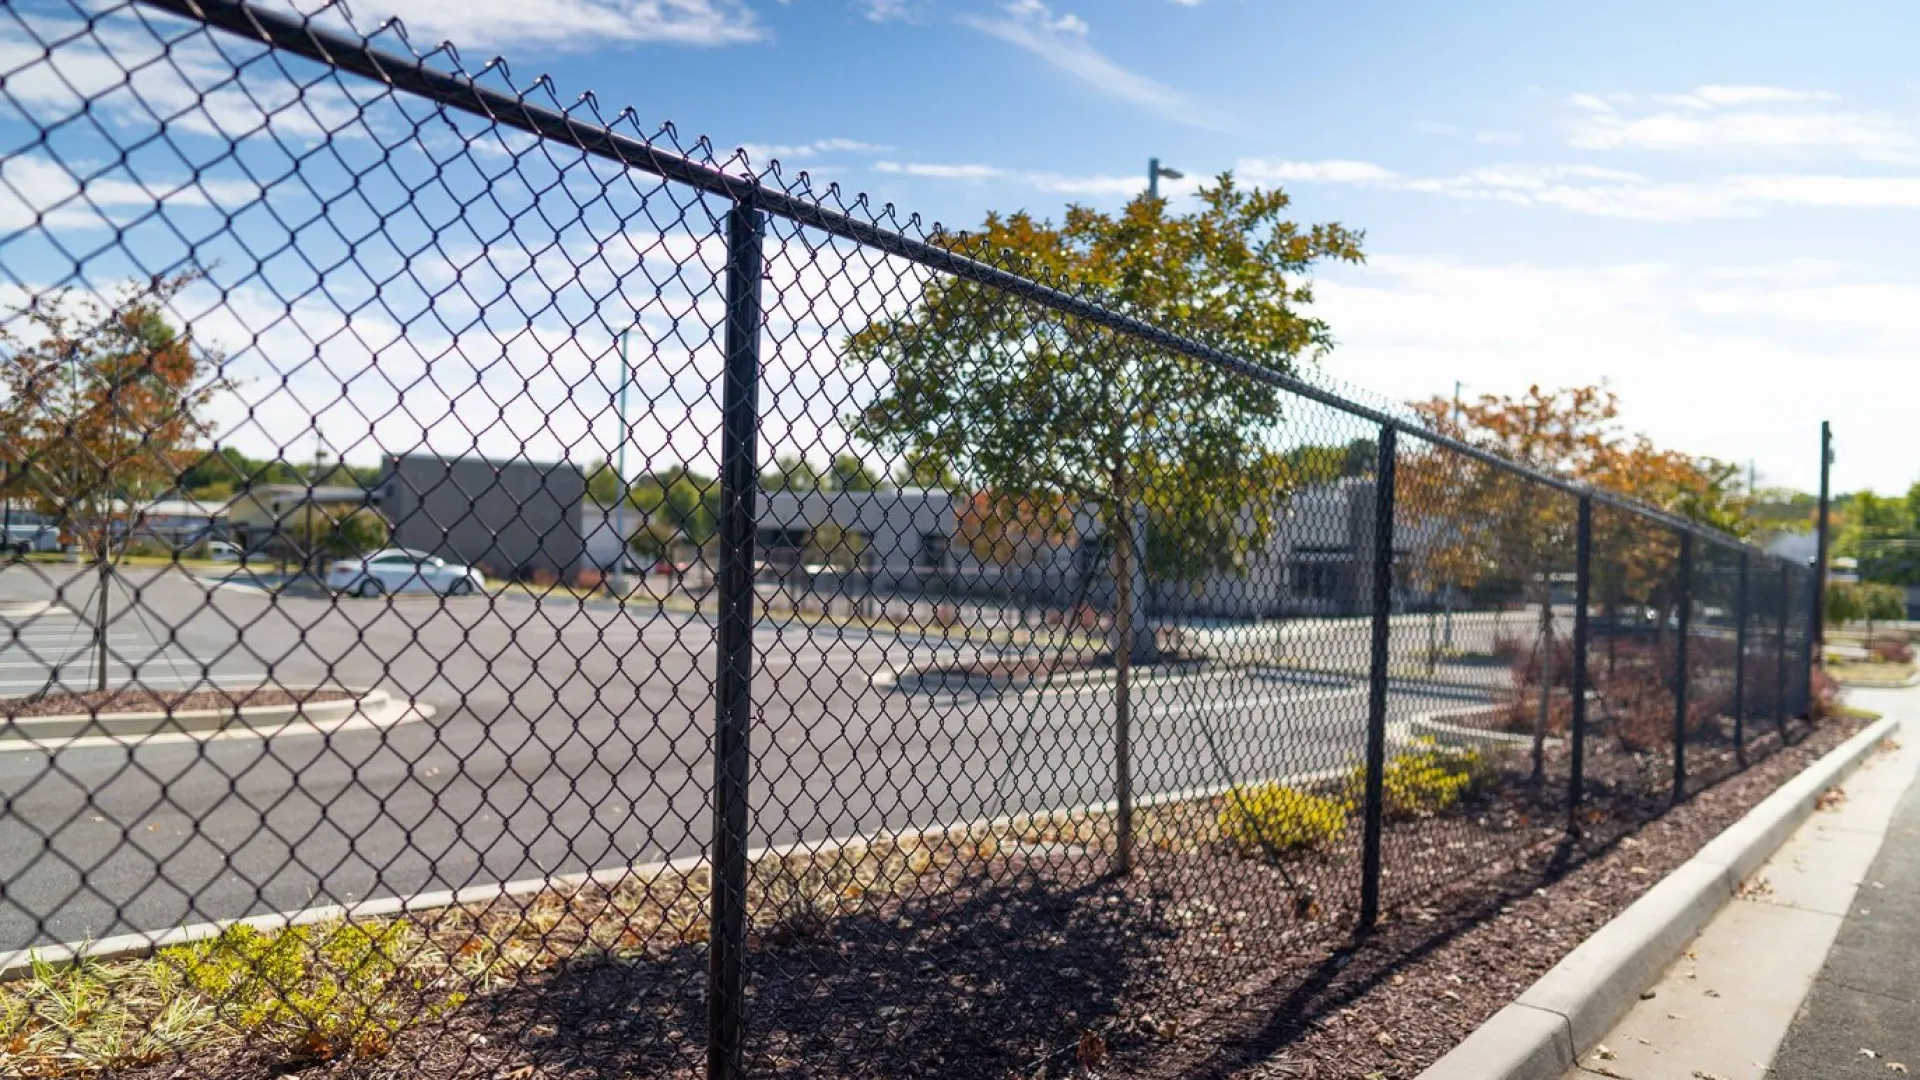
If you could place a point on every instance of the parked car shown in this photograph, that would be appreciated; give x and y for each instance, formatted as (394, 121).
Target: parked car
(221, 551)
(400, 570)
(24, 538)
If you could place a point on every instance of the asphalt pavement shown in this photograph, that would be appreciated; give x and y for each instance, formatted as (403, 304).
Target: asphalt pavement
(565, 735)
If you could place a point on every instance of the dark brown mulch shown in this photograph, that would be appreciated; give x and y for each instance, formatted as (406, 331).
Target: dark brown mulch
(98, 703)
(1031, 961)
(1439, 968)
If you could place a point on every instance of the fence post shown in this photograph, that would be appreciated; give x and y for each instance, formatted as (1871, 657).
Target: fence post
(733, 680)
(1740, 665)
(1680, 668)
(1582, 595)
(1382, 600)
(1780, 651)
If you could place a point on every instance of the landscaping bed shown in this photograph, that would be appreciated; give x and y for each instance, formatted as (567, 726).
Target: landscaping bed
(994, 950)
(140, 700)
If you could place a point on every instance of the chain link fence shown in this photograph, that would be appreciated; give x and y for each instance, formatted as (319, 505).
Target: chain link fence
(499, 591)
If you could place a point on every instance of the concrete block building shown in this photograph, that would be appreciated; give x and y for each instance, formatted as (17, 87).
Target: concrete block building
(510, 518)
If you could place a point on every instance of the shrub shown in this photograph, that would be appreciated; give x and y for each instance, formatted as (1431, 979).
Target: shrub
(1424, 782)
(1889, 649)
(1274, 819)
(313, 991)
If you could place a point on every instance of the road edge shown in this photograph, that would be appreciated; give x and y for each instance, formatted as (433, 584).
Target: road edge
(1542, 1033)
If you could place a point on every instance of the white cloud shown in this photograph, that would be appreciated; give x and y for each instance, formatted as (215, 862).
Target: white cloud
(882, 10)
(1498, 138)
(39, 191)
(1708, 97)
(936, 171)
(1333, 172)
(1063, 41)
(1434, 127)
(568, 23)
(119, 70)
(762, 153)
(1699, 355)
(1720, 118)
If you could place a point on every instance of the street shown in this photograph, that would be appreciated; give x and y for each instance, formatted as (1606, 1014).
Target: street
(567, 735)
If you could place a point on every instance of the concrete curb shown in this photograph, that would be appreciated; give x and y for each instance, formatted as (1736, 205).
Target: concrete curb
(1540, 1035)
(76, 725)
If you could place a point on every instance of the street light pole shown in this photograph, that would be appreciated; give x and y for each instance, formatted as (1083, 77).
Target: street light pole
(620, 460)
(1154, 172)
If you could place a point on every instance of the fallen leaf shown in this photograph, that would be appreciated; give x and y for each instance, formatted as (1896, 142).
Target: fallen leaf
(1896, 1067)
(1603, 1053)
(1647, 995)
(1092, 1051)
(1864, 1052)
(1712, 992)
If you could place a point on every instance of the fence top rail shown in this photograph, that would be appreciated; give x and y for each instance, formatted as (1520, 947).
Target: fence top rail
(295, 33)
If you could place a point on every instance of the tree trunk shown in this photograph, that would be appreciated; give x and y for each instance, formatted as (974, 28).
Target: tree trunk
(1122, 536)
(100, 619)
(1545, 645)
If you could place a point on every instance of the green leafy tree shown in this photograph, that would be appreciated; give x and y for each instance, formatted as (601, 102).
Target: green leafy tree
(336, 532)
(1844, 603)
(603, 484)
(1882, 603)
(792, 472)
(1325, 464)
(1032, 403)
(828, 544)
(850, 473)
(924, 469)
(684, 501)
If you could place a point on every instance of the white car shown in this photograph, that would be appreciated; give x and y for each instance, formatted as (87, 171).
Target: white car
(221, 551)
(400, 570)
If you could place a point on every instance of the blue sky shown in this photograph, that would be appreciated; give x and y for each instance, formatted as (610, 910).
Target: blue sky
(1712, 206)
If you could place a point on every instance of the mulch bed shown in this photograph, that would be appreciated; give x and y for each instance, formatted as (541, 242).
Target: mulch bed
(136, 700)
(1440, 968)
(1028, 960)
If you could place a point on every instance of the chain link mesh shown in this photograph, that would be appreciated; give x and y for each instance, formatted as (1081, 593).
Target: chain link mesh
(503, 592)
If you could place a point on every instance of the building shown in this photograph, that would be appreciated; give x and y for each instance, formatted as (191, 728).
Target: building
(264, 517)
(1319, 560)
(182, 523)
(609, 534)
(512, 519)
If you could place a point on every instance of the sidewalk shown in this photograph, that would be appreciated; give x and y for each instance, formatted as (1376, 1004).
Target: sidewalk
(1813, 972)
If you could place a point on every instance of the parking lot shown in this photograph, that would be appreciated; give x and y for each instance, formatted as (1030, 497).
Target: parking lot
(565, 735)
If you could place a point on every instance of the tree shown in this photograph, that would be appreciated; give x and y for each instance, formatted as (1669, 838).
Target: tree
(1883, 603)
(684, 500)
(337, 532)
(792, 472)
(1844, 603)
(1325, 464)
(1031, 403)
(104, 401)
(603, 484)
(1491, 523)
(1006, 530)
(850, 473)
(920, 469)
(103, 404)
(830, 545)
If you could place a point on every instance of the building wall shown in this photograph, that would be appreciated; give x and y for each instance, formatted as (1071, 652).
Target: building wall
(508, 518)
